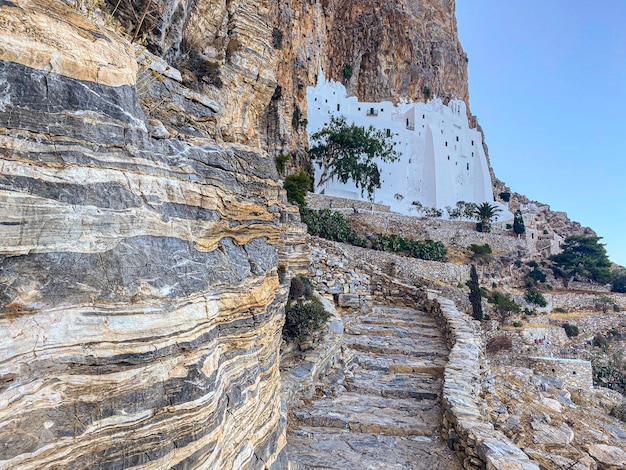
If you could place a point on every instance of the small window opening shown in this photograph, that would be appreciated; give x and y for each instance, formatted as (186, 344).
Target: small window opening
(338, 106)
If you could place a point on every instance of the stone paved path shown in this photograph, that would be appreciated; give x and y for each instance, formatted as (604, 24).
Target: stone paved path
(380, 409)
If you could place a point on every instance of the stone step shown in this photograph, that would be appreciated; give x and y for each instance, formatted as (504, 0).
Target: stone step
(416, 386)
(391, 329)
(337, 449)
(400, 363)
(416, 347)
(373, 320)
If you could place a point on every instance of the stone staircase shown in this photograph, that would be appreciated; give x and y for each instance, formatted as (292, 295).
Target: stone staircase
(380, 408)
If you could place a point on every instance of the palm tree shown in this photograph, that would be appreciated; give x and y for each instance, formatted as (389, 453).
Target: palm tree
(484, 213)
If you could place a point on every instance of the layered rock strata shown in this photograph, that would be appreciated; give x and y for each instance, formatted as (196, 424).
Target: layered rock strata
(140, 302)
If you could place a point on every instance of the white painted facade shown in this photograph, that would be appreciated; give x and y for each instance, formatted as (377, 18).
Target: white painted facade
(441, 159)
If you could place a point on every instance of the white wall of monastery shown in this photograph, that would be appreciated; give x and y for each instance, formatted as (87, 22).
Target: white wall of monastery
(441, 159)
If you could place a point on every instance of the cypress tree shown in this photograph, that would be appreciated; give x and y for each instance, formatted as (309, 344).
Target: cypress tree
(518, 223)
(474, 295)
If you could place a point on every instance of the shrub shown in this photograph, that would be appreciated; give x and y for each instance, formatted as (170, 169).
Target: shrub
(426, 92)
(535, 297)
(536, 276)
(427, 250)
(518, 324)
(297, 185)
(600, 341)
(282, 270)
(303, 318)
(347, 71)
(505, 306)
(499, 343)
(300, 287)
(604, 303)
(619, 412)
(570, 330)
(481, 251)
(280, 161)
(560, 310)
(331, 225)
(616, 308)
(618, 283)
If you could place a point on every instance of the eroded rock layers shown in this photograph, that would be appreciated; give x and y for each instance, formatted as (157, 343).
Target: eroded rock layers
(140, 306)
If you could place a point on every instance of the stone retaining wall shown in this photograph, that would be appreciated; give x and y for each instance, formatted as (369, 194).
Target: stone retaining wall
(575, 373)
(322, 201)
(363, 276)
(463, 421)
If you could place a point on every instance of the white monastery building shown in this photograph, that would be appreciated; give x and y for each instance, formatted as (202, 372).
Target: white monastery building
(441, 159)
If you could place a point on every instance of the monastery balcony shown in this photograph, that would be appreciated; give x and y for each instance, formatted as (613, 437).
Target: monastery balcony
(372, 112)
(411, 128)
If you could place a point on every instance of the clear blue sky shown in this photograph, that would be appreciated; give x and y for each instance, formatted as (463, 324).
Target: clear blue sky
(547, 80)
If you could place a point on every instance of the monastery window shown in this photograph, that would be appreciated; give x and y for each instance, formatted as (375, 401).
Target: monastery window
(382, 110)
(472, 142)
(359, 109)
(457, 138)
(315, 99)
(326, 101)
(448, 157)
(468, 167)
(407, 122)
(423, 116)
(446, 144)
(388, 132)
(338, 106)
(472, 154)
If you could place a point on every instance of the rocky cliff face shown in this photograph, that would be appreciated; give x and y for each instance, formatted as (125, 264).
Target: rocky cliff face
(140, 306)
(256, 58)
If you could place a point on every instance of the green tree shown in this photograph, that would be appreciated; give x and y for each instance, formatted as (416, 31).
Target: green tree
(505, 306)
(518, 222)
(297, 185)
(533, 296)
(484, 213)
(604, 303)
(618, 283)
(585, 258)
(347, 152)
(474, 295)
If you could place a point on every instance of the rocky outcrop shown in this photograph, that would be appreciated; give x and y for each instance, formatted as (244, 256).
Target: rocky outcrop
(140, 302)
(257, 58)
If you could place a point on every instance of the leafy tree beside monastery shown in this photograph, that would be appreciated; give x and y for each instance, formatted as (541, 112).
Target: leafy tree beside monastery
(347, 152)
